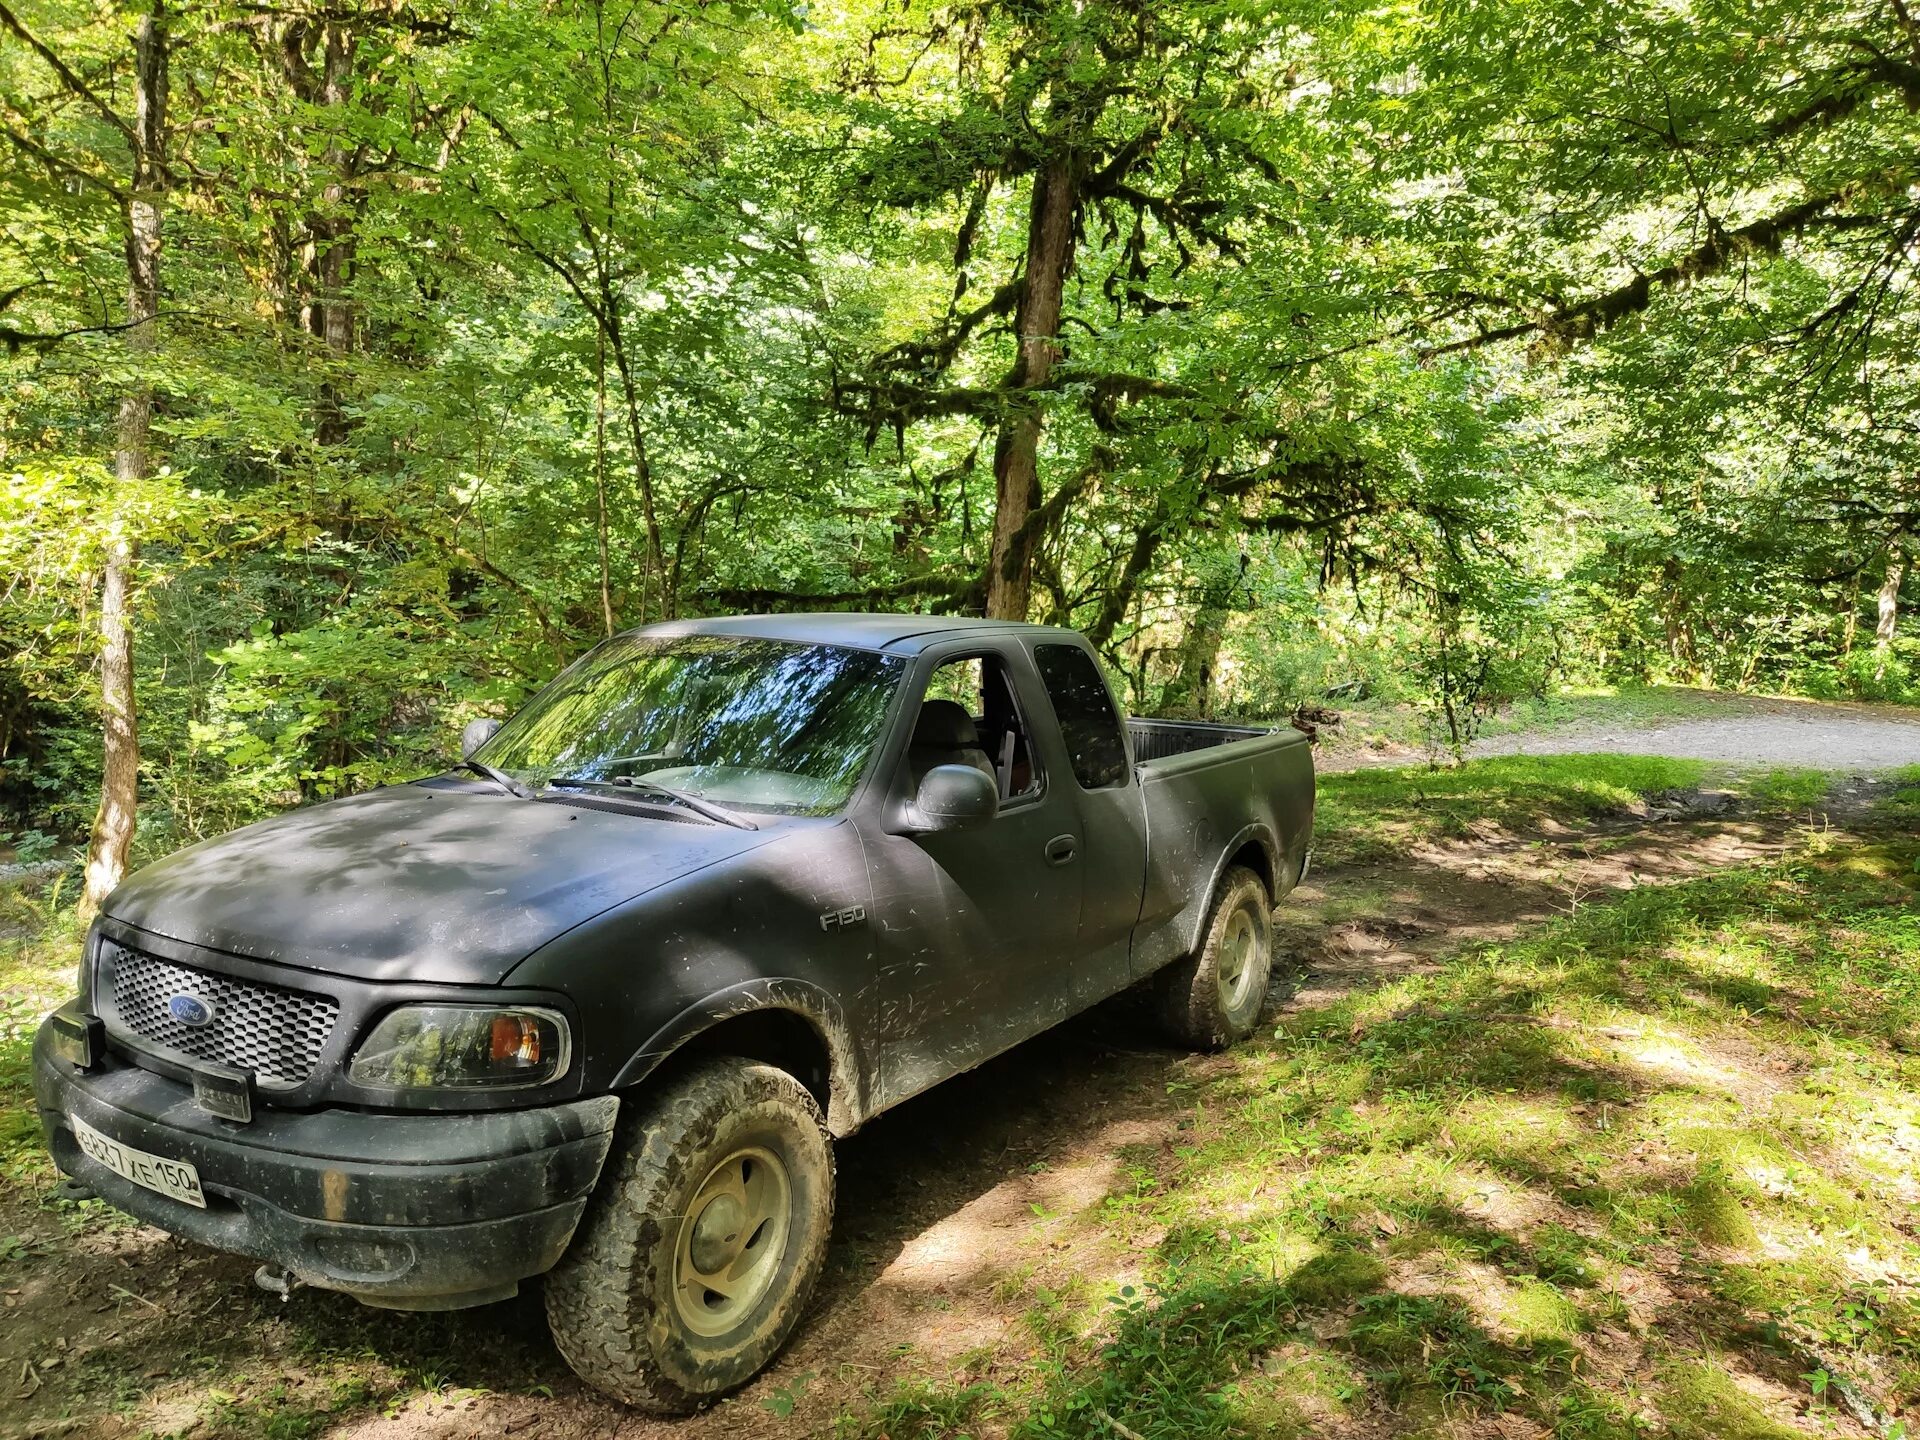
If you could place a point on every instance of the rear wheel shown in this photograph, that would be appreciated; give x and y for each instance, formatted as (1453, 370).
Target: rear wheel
(1213, 997)
(702, 1246)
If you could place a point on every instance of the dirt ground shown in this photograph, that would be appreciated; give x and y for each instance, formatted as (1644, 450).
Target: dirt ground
(1712, 725)
(956, 1211)
(1752, 730)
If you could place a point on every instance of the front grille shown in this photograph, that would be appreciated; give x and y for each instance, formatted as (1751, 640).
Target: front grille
(278, 1034)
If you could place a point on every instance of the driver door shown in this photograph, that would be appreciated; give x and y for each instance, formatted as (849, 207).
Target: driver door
(977, 929)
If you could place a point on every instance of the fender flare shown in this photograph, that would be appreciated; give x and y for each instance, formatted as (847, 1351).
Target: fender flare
(821, 1012)
(1256, 831)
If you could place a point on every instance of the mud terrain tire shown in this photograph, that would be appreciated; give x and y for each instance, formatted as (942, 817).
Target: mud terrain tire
(1213, 998)
(703, 1241)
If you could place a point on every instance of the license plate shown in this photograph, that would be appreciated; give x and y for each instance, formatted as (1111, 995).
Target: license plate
(169, 1177)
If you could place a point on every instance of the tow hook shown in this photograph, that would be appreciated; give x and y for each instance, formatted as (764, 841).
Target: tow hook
(276, 1280)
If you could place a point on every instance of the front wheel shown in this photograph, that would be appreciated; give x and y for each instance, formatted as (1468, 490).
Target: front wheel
(695, 1262)
(1213, 998)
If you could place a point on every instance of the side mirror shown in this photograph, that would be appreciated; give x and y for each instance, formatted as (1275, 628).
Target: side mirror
(954, 797)
(477, 733)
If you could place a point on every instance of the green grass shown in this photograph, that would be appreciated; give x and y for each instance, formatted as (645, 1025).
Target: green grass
(1785, 791)
(1631, 706)
(919, 1411)
(1377, 814)
(1381, 813)
(1685, 1121)
(1903, 806)
(278, 1411)
(37, 969)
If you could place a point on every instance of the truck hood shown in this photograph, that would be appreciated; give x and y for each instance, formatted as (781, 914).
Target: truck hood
(440, 883)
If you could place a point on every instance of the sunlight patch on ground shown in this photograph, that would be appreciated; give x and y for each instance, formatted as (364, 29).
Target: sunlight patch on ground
(1294, 1389)
(171, 1414)
(979, 1236)
(956, 1248)
(1677, 1060)
(1881, 1135)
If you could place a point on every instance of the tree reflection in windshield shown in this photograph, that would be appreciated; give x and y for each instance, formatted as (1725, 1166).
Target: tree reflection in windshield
(756, 723)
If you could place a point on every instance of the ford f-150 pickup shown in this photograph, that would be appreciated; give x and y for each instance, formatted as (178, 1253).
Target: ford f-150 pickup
(595, 1003)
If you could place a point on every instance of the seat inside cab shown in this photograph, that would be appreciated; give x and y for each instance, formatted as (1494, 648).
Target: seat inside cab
(970, 716)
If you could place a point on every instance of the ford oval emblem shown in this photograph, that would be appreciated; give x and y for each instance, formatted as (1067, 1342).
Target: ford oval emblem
(190, 1010)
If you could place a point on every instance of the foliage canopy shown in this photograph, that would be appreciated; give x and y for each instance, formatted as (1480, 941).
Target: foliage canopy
(1442, 350)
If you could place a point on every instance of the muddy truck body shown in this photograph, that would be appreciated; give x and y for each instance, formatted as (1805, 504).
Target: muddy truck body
(595, 1003)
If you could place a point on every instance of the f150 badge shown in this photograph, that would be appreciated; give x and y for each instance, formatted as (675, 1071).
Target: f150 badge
(844, 919)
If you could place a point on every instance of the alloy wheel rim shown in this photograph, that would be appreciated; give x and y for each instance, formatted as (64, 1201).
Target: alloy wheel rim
(731, 1241)
(1235, 970)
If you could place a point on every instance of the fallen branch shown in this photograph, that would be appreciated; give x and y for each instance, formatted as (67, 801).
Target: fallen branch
(122, 1290)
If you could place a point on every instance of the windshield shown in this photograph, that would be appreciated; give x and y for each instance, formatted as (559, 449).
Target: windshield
(758, 724)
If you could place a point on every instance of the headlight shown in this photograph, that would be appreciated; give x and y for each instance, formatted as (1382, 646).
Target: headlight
(463, 1047)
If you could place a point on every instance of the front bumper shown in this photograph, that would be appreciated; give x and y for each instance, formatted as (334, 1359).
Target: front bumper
(411, 1211)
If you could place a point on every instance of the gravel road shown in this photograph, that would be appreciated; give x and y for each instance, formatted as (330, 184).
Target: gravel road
(1758, 732)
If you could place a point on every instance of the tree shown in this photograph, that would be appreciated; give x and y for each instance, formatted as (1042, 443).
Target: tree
(1721, 203)
(1149, 142)
(142, 138)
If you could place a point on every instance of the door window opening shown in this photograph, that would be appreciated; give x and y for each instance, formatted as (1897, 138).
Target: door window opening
(993, 735)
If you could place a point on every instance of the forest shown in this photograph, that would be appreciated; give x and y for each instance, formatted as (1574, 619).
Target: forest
(364, 363)
(1522, 394)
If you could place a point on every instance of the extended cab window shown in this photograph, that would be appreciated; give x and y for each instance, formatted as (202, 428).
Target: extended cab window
(1084, 707)
(759, 724)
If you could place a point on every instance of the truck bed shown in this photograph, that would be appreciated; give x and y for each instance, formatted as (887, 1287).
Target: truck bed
(1159, 739)
(1208, 790)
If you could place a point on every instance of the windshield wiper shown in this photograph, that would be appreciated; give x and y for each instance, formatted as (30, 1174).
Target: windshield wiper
(700, 806)
(499, 777)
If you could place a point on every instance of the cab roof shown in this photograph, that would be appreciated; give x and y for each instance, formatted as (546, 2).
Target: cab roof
(897, 634)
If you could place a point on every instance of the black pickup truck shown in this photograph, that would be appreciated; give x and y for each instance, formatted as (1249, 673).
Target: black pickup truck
(594, 1003)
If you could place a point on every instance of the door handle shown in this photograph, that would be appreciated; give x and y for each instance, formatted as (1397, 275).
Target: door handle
(1062, 848)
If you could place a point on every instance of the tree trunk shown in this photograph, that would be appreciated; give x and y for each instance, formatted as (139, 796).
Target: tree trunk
(333, 231)
(1680, 638)
(600, 470)
(1016, 454)
(1193, 689)
(1889, 622)
(656, 558)
(113, 823)
(1146, 545)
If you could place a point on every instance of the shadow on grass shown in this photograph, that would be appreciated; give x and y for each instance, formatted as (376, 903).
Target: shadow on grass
(1376, 814)
(1214, 1354)
(1616, 1176)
